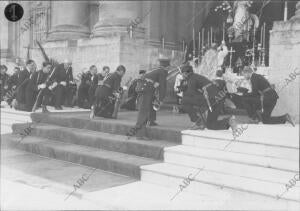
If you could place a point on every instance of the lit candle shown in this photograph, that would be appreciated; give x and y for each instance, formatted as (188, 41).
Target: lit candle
(130, 31)
(202, 37)
(163, 42)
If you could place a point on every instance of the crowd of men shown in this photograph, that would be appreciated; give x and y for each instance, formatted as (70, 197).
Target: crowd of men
(28, 88)
(201, 98)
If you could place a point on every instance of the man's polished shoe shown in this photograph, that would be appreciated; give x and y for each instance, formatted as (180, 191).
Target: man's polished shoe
(144, 138)
(233, 123)
(152, 123)
(288, 118)
(259, 116)
(44, 109)
(58, 108)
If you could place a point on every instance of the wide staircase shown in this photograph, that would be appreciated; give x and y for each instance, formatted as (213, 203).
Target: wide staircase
(260, 162)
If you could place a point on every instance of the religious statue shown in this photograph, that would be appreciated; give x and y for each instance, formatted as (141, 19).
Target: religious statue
(209, 63)
(244, 21)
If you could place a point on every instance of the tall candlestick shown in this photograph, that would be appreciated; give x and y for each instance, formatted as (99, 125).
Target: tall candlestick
(208, 38)
(285, 11)
(202, 38)
(264, 35)
(163, 43)
(199, 44)
(194, 43)
(211, 35)
(261, 35)
(253, 53)
(223, 38)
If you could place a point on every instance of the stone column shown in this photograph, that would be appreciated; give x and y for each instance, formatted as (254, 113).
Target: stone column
(284, 63)
(115, 17)
(297, 13)
(4, 32)
(69, 20)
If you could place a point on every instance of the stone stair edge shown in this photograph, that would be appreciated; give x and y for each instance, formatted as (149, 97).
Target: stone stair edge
(186, 133)
(43, 146)
(172, 173)
(171, 150)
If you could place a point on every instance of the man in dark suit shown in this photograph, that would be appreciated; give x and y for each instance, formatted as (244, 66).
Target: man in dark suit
(201, 92)
(104, 105)
(24, 93)
(263, 97)
(93, 84)
(62, 77)
(21, 79)
(4, 79)
(42, 86)
(154, 81)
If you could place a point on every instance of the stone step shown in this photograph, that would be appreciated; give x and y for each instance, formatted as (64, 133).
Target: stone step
(288, 153)
(115, 162)
(179, 156)
(191, 154)
(112, 142)
(214, 183)
(271, 135)
(106, 125)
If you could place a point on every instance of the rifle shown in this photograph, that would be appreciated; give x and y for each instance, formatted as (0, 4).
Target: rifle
(40, 92)
(119, 99)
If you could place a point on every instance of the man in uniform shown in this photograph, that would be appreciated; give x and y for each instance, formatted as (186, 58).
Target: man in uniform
(103, 105)
(263, 97)
(131, 101)
(155, 80)
(62, 77)
(201, 92)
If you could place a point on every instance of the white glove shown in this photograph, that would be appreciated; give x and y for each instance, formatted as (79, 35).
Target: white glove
(42, 86)
(156, 85)
(100, 82)
(53, 86)
(71, 82)
(63, 83)
(117, 95)
(125, 88)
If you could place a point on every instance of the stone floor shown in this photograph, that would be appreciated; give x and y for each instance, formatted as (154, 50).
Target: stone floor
(29, 181)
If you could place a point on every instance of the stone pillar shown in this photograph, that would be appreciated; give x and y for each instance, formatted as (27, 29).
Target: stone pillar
(284, 60)
(297, 13)
(4, 32)
(69, 20)
(115, 17)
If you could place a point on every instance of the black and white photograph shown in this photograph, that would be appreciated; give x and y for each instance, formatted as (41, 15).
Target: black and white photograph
(150, 105)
